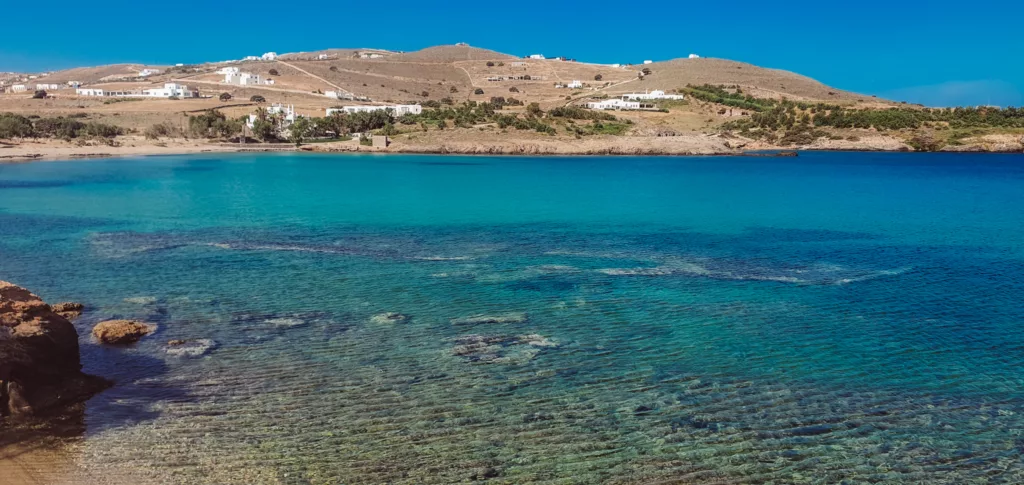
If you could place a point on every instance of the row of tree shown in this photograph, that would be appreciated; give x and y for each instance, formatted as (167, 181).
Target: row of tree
(14, 125)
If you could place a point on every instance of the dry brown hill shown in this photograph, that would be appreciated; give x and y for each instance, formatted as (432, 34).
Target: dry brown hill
(88, 75)
(450, 53)
(760, 81)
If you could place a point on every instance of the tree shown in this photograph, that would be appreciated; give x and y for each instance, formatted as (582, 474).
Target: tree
(39, 94)
(299, 130)
(646, 71)
(453, 90)
(478, 91)
(513, 89)
(598, 77)
(257, 99)
(490, 64)
(425, 94)
(334, 68)
(273, 72)
(534, 109)
(389, 129)
(224, 96)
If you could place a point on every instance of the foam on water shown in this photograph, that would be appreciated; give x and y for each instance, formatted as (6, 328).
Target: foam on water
(627, 320)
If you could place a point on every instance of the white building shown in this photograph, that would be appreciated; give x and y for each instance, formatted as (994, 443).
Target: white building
(397, 110)
(227, 70)
(286, 113)
(648, 62)
(245, 79)
(537, 56)
(148, 72)
(169, 90)
(694, 56)
(269, 56)
(322, 57)
(517, 64)
(18, 88)
(248, 58)
(656, 94)
(575, 84)
(49, 86)
(74, 84)
(614, 103)
(366, 55)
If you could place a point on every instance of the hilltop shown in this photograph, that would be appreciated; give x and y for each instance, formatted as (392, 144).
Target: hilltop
(448, 76)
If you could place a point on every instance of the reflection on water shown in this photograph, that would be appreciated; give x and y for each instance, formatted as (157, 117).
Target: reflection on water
(557, 351)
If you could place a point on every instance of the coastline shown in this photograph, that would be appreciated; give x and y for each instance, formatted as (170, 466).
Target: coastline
(686, 145)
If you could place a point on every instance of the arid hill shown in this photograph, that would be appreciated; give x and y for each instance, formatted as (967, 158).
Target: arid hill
(450, 53)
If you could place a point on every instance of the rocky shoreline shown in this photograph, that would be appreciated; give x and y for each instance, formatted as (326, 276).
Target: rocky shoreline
(40, 364)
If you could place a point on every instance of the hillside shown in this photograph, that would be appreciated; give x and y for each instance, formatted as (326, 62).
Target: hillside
(450, 53)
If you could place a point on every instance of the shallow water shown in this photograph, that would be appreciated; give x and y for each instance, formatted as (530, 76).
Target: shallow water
(834, 317)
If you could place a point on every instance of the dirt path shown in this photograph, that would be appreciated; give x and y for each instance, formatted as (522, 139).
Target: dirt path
(314, 76)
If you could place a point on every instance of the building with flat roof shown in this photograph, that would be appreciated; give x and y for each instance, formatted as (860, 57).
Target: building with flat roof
(614, 103)
(397, 110)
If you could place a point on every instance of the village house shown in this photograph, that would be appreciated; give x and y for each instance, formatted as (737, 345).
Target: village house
(656, 94)
(537, 56)
(148, 72)
(17, 88)
(227, 70)
(575, 84)
(648, 62)
(397, 110)
(694, 56)
(286, 113)
(49, 86)
(369, 55)
(518, 64)
(74, 84)
(245, 79)
(614, 103)
(269, 56)
(322, 57)
(168, 91)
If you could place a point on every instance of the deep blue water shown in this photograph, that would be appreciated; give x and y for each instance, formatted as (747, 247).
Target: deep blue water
(834, 317)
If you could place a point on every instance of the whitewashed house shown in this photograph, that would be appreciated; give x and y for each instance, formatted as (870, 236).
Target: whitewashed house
(369, 55)
(575, 84)
(694, 56)
(248, 58)
(148, 72)
(322, 57)
(74, 84)
(648, 62)
(18, 88)
(537, 56)
(397, 110)
(286, 112)
(227, 70)
(269, 56)
(245, 79)
(649, 95)
(49, 86)
(614, 103)
(169, 90)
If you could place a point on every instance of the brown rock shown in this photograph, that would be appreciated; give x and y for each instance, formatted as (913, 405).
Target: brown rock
(121, 332)
(39, 356)
(69, 309)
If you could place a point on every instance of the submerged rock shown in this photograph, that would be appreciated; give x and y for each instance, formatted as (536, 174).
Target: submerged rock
(389, 317)
(40, 367)
(141, 300)
(500, 349)
(514, 317)
(286, 322)
(69, 309)
(190, 348)
(121, 332)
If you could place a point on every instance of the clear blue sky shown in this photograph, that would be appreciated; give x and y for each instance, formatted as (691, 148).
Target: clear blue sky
(938, 52)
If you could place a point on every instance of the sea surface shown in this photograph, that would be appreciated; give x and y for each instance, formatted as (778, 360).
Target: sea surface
(830, 318)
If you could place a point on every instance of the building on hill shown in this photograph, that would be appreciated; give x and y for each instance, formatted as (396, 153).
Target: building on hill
(656, 94)
(74, 84)
(269, 56)
(370, 55)
(537, 56)
(49, 87)
(694, 56)
(249, 58)
(397, 110)
(227, 70)
(17, 88)
(148, 72)
(246, 79)
(648, 62)
(517, 64)
(614, 103)
(575, 84)
(170, 90)
(322, 57)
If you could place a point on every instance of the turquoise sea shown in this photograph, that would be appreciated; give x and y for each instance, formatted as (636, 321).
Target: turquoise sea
(830, 318)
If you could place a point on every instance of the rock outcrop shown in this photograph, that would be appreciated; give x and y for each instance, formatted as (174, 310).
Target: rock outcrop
(121, 332)
(40, 366)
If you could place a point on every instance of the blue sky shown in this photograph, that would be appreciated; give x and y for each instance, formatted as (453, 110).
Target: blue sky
(938, 52)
